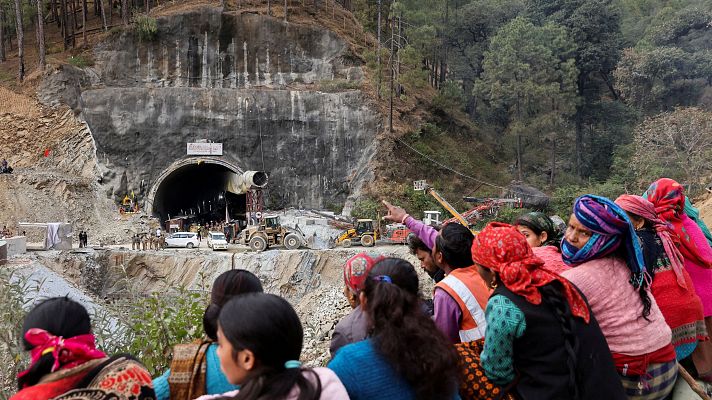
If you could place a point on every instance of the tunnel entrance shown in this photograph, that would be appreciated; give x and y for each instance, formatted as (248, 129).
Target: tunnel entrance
(197, 193)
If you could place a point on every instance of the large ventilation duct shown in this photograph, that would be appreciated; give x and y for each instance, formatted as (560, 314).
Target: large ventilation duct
(240, 184)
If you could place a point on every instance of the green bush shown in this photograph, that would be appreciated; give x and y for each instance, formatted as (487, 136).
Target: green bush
(156, 323)
(145, 28)
(80, 61)
(367, 208)
(12, 313)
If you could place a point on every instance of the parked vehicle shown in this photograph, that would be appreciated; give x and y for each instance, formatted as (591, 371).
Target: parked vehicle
(183, 239)
(217, 241)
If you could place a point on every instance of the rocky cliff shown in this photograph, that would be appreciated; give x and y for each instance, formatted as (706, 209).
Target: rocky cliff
(248, 81)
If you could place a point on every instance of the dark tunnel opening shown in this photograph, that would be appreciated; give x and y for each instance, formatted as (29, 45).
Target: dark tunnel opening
(197, 194)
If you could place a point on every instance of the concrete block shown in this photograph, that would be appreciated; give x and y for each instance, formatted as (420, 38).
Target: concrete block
(16, 245)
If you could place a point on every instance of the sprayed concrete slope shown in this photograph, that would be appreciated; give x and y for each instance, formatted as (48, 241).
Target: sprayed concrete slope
(248, 81)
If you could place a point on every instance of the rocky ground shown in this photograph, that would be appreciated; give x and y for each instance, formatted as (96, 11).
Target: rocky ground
(310, 279)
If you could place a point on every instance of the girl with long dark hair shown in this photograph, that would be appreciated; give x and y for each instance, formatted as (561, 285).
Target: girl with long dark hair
(65, 363)
(195, 367)
(608, 267)
(542, 340)
(543, 237)
(260, 340)
(406, 357)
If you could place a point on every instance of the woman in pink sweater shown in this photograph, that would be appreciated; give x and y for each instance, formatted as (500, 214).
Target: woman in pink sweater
(669, 200)
(601, 246)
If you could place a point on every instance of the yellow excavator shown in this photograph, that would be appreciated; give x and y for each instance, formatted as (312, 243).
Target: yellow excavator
(363, 232)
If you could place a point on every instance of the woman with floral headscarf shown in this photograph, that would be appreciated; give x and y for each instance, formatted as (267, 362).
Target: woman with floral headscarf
(671, 287)
(603, 249)
(669, 200)
(543, 237)
(541, 335)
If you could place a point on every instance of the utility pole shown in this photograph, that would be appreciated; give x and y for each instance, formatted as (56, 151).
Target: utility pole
(378, 51)
(390, 70)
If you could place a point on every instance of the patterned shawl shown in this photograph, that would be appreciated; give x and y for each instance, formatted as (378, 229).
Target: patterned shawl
(502, 249)
(669, 201)
(646, 210)
(611, 228)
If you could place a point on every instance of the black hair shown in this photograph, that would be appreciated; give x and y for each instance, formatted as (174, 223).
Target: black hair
(553, 235)
(406, 336)
(552, 295)
(230, 283)
(454, 242)
(268, 326)
(59, 316)
(415, 244)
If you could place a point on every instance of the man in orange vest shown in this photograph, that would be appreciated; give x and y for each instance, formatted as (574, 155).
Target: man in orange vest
(461, 297)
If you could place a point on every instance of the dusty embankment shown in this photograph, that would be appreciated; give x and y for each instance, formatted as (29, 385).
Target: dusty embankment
(310, 279)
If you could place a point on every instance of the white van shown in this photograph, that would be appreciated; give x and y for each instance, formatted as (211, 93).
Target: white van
(217, 241)
(183, 239)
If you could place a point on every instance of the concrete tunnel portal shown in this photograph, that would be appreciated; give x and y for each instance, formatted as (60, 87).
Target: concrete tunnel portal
(199, 190)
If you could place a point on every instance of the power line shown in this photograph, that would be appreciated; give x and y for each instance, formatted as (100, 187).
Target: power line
(472, 178)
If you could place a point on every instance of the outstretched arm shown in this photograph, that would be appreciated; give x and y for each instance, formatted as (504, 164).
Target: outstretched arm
(426, 233)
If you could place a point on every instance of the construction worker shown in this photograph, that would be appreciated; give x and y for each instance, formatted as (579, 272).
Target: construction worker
(135, 242)
(461, 297)
(144, 241)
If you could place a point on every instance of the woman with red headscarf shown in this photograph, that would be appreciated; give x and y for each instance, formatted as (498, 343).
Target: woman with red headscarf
(65, 363)
(671, 287)
(669, 200)
(541, 336)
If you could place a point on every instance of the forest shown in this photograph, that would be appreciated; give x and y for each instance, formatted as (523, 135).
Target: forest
(570, 95)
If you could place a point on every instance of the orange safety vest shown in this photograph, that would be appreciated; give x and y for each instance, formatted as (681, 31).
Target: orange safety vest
(468, 289)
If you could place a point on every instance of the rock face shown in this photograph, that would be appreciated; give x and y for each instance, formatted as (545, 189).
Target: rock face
(312, 280)
(247, 81)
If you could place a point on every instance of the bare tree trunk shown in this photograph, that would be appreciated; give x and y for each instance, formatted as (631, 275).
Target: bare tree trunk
(148, 6)
(84, 22)
(269, 7)
(2, 34)
(285, 10)
(75, 23)
(40, 35)
(125, 11)
(65, 24)
(20, 40)
(103, 13)
(55, 15)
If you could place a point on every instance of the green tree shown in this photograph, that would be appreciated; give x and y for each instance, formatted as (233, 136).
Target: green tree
(529, 78)
(468, 37)
(594, 26)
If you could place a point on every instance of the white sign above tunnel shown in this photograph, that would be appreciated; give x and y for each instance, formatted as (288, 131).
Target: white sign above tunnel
(205, 149)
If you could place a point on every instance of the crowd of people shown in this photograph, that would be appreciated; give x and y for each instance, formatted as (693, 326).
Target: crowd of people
(615, 306)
